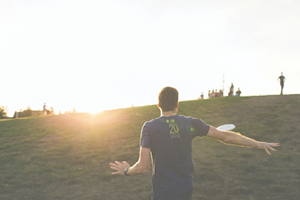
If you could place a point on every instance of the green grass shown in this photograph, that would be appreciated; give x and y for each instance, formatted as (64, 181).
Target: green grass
(67, 156)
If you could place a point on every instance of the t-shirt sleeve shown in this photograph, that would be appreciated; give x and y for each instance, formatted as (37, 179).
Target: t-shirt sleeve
(200, 128)
(145, 137)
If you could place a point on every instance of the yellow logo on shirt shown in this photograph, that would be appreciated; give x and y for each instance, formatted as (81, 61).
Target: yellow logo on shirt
(174, 130)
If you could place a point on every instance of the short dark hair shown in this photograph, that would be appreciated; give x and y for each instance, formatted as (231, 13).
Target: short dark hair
(168, 98)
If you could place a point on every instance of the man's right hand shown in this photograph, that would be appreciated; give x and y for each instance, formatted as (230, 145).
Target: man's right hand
(119, 167)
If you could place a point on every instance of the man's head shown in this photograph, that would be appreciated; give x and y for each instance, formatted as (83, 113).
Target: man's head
(168, 99)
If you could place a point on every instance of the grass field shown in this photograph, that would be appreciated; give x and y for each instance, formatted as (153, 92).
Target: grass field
(67, 156)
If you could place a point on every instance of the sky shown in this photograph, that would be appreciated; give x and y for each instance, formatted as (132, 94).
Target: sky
(95, 55)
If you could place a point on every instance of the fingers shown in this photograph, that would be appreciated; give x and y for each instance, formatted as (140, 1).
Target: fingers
(275, 144)
(118, 163)
(119, 167)
(112, 164)
(269, 146)
(268, 152)
(114, 168)
(272, 149)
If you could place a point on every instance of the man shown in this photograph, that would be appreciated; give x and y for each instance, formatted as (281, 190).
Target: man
(202, 95)
(282, 80)
(44, 109)
(169, 138)
(238, 92)
(209, 94)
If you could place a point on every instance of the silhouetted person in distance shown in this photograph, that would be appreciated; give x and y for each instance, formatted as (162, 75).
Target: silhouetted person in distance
(168, 138)
(44, 109)
(201, 96)
(282, 80)
(221, 93)
(231, 89)
(216, 93)
(238, 92)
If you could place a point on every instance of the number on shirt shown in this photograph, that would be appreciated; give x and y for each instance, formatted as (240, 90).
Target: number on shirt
(174, 131)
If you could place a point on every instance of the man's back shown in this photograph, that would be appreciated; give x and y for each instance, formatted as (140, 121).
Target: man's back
(170, 141)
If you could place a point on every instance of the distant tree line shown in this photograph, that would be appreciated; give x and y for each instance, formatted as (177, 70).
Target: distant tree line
(29, 112)
(32, 113)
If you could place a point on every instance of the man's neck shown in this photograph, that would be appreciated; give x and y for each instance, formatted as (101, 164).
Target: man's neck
(168, 113)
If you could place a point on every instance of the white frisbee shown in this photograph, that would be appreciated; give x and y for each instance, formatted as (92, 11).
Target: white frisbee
(226, 127)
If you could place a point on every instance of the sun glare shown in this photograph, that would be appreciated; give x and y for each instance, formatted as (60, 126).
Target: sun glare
(94, 112)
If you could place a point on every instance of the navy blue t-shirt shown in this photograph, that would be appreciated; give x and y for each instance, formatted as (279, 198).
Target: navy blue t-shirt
(170, 141)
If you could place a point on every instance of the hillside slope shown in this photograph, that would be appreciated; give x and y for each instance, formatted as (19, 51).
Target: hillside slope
(67, 156)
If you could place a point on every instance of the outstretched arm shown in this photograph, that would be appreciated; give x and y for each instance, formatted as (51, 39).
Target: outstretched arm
(140, 167)
(229, 137)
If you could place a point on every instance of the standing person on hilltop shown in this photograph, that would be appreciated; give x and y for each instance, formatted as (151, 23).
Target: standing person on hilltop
(282, 80)
(221, 93)
(231, 90)
(44, 109)
(238, 92)
(209, 94)
(169, 139)
(202, 95)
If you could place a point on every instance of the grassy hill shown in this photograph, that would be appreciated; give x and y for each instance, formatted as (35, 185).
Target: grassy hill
(67, 156)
